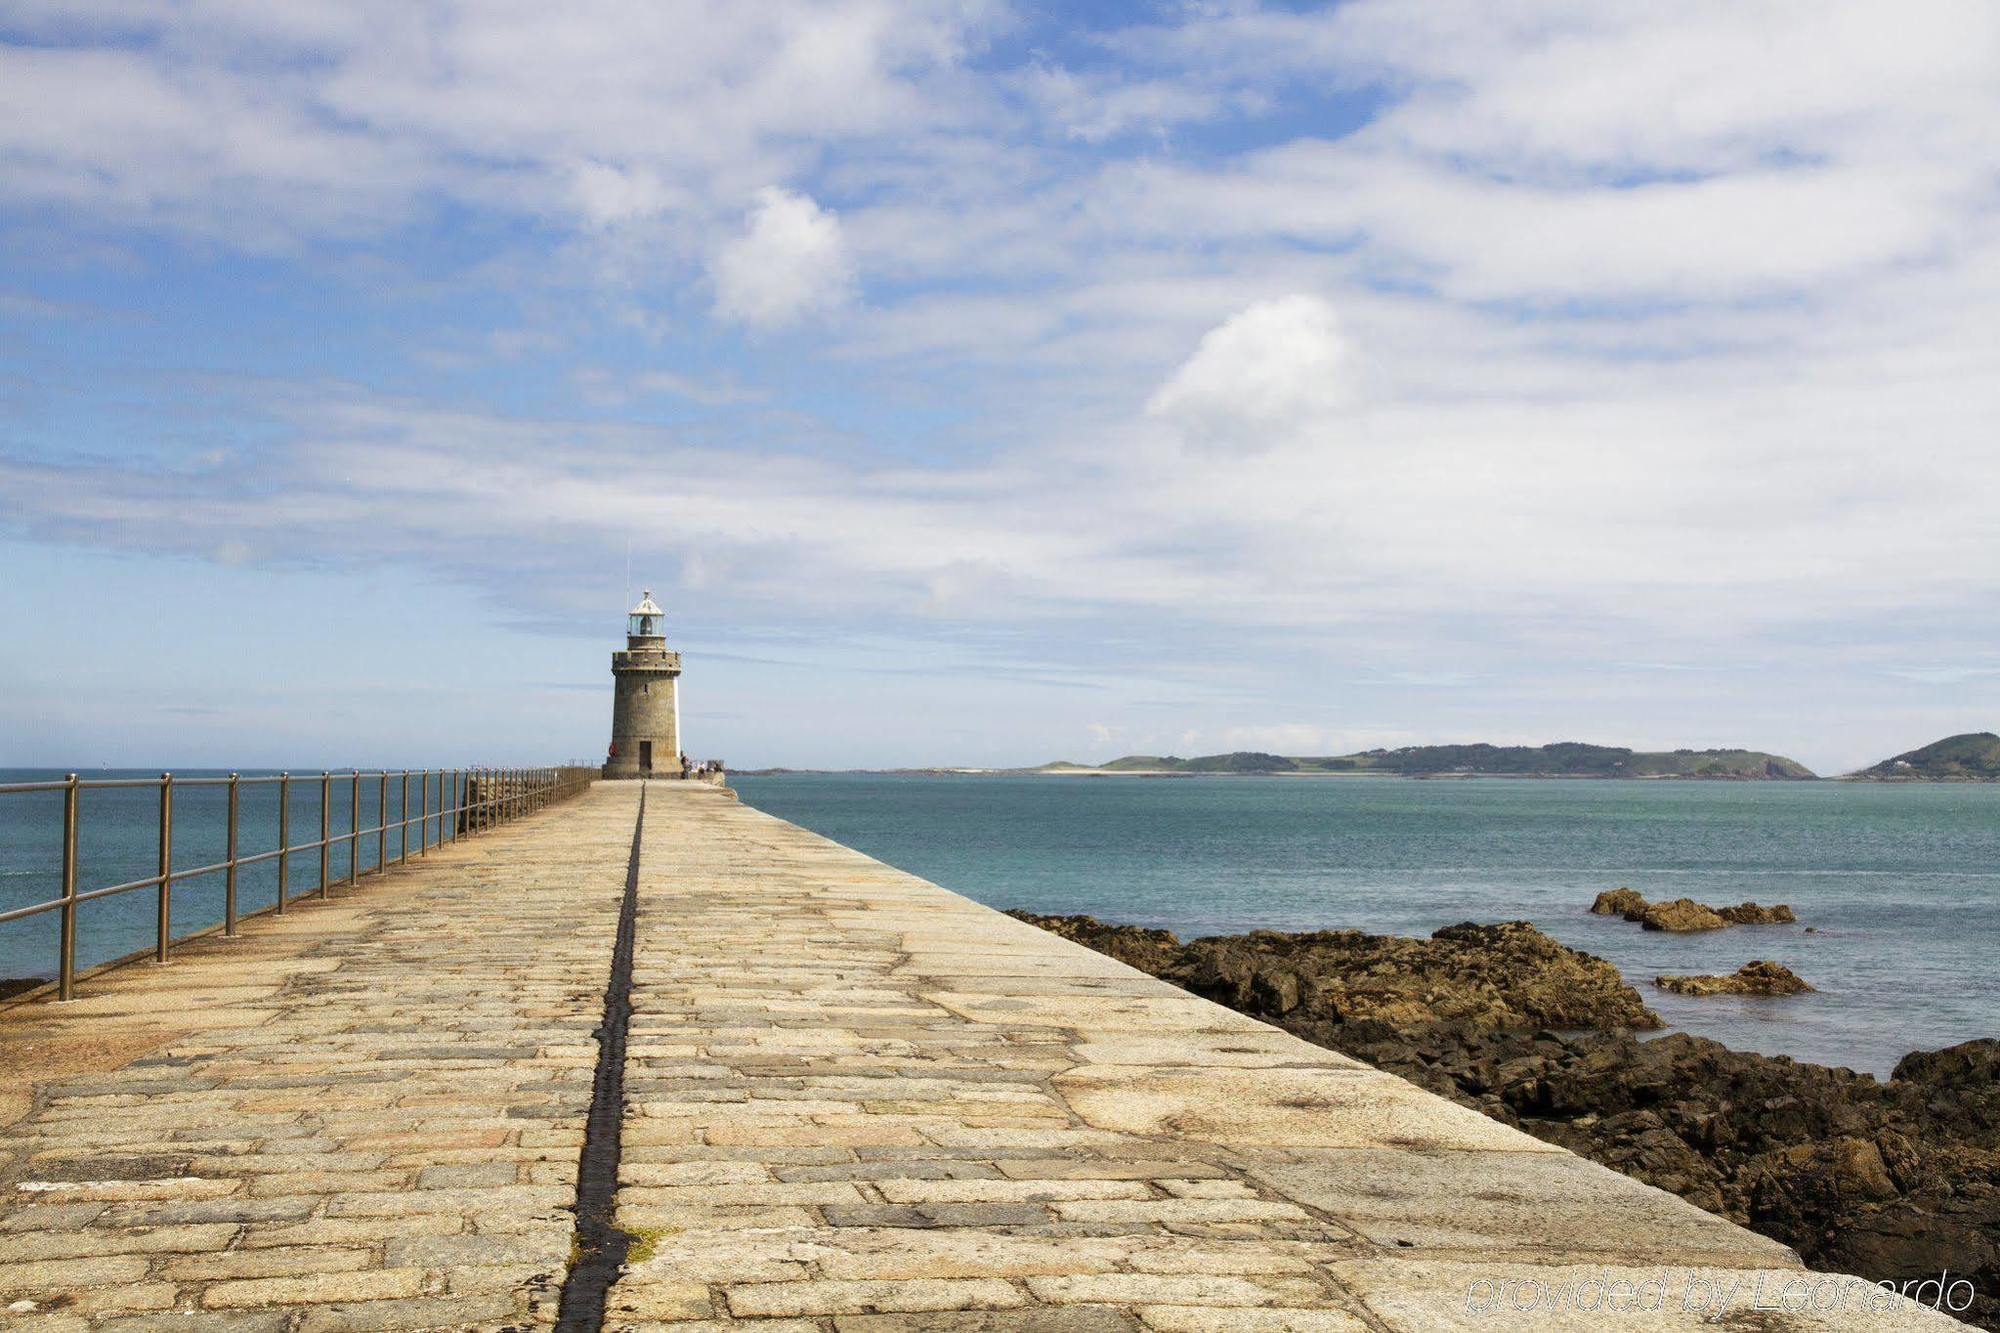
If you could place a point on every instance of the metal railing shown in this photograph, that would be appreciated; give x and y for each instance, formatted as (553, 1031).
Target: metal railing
(468, 800)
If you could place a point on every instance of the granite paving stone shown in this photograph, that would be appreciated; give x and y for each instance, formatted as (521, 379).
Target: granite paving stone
(331, 1125)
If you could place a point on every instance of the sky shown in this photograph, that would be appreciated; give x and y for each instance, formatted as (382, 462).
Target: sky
(984, 383)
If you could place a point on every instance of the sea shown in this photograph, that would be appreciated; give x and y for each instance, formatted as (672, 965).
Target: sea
(1900, 882)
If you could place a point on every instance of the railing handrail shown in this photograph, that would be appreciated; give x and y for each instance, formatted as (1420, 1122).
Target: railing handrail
(469, 800)
(246, 779)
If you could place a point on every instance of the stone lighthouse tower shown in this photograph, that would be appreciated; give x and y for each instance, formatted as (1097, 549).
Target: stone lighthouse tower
(645, 701)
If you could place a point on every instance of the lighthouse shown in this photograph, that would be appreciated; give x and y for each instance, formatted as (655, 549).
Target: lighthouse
(645, 699)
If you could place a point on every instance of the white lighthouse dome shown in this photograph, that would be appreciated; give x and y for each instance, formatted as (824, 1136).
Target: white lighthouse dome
(644, 620)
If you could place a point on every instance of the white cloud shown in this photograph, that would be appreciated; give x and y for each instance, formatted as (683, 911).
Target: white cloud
(1094, 108)
(268, 124)
(1261, 375)
(609, 195)
(1554, 151)
(790, 263)
(1645, 332)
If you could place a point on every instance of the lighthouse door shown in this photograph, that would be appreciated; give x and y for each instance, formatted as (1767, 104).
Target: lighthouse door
(645, 756)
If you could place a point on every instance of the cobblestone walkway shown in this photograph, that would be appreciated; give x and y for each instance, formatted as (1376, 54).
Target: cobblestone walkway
(859, 1102)
(854, 1102)
(386, 1137)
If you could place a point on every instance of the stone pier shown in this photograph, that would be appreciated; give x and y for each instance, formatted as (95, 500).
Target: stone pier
(852, 1101)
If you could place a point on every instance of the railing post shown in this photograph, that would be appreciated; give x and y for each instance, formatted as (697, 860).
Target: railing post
(424, 813)
(403, 823)
(284, 838)
(448, 794)
(354, 828)
(382, 822)
(163, 919)
(66, 964)
(325, 791)
(229, 874)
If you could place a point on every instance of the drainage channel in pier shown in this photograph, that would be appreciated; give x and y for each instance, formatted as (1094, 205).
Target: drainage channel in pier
(601, 1246)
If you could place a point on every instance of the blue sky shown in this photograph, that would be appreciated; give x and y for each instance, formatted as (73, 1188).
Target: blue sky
(986, 383)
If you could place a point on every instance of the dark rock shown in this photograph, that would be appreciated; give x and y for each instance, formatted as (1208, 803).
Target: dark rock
(1506, 975)
(1970, 1066)
(1686, 913)
(1135, 946)
(1750, 914)
(1757, 977)
(1682, 914)
(1619, 902)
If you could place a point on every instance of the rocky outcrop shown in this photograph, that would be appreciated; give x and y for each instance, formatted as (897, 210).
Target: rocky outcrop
(1507, 975)
(1893, 1181)
(1151, 951)
(1750, 914)
(1685, 914)
(1759, 976)
(1682, 914)
(1628, 903)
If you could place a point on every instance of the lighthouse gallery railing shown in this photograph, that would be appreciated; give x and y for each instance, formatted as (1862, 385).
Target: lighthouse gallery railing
(468, 800)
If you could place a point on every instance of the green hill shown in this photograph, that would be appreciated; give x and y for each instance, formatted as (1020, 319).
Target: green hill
(1243, 761)
(1972, 757)
(1565, 759)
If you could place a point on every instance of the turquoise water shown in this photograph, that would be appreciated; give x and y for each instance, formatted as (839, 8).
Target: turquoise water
(1902, 882)
(118, 841)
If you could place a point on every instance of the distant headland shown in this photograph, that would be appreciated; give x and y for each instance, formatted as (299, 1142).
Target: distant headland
(1971, 757)
(1564, 759)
